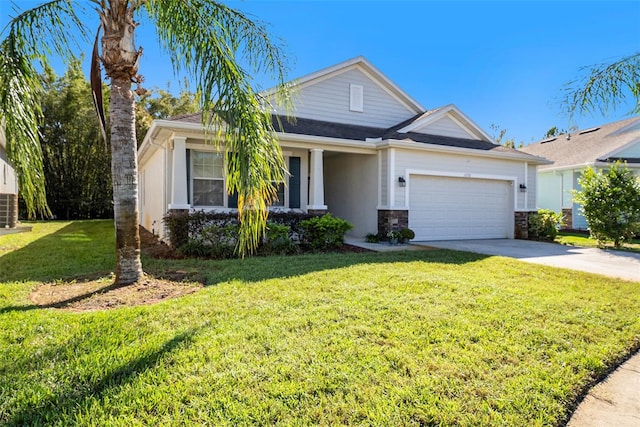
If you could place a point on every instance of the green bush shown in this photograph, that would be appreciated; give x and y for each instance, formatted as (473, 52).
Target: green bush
(277, 240)
(544, 224)
(325, 232)
(610, 202)
(406, 234)
(372, 238)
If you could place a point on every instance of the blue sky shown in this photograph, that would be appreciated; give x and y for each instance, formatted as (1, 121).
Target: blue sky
(502, 62)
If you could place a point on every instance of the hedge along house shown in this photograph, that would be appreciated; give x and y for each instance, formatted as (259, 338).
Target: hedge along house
(8, 189)
(571, 153)
(364, 150)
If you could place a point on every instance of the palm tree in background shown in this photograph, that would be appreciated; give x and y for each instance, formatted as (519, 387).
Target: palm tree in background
(203, 38)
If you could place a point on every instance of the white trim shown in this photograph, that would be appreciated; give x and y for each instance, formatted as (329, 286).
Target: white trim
(391, 168)
(468, 151)
(620, 149)
(582, 166)
(526, 181)
(379, 178)
(470, 127)
(178, 206)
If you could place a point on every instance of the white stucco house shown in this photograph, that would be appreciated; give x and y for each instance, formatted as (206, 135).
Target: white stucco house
(8, 189)
(364, 150)
(571, 153)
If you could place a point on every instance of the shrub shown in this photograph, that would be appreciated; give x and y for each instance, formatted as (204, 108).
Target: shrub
(325, 232)
(372, 238)
(277, 240)
(610, 202)
(406, 234)
(544, 224)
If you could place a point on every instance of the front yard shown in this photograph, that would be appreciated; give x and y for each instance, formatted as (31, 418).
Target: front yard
(403, 338)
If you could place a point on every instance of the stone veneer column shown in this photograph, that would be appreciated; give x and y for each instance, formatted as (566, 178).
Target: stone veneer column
(392, 220)
(521, 225)
(567, 217)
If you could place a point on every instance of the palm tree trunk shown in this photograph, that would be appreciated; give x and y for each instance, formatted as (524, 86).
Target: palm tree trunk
(124, 171)
(120, 60)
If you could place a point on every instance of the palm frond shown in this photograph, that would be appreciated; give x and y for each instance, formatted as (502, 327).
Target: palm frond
(604, 86)
(212, 42)
(31, 37)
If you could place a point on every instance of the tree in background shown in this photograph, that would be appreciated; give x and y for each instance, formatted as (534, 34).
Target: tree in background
(75, 157)
(603, 86)
(610, 202)
(202, 37)
(162, 104)
(499, 136)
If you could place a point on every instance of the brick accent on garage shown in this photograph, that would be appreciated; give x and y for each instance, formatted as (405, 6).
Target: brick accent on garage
(8, 210)
(521, 224)
(567, 217)
(392, 220)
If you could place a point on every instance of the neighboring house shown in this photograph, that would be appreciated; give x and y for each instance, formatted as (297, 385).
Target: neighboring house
(572, 153)
(364, 150)
(8, 189)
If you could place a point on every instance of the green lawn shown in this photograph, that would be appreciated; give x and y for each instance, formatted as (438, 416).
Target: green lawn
(579, 239)
(405, 338)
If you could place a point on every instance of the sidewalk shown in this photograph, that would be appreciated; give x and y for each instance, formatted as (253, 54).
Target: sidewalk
(613, 402)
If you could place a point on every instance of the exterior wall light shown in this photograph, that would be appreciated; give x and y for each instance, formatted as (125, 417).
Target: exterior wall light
(523, 188)
(401, 181)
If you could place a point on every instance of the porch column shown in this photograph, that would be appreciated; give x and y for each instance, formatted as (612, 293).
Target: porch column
(179, 178)
(316, 182)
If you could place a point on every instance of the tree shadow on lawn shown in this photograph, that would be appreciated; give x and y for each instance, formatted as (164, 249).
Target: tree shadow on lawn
(85, 249)
(52, 410)
(260, 268)
(78, 249)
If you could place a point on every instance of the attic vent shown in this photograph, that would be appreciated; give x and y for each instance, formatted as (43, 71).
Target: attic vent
(356, 98)
(548, 140)
(588, 131)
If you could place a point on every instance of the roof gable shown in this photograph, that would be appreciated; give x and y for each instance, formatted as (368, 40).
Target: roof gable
(352, 92)
(446, 121)
(586, 147)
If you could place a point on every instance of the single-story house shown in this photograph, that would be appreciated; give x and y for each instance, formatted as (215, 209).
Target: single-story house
(364, 150)
(571, 153)
(8, 189)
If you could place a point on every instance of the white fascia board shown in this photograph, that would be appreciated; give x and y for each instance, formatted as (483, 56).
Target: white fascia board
(626, 128)
(467, 151)
(330, 144)
(597, 164)
(461, 120)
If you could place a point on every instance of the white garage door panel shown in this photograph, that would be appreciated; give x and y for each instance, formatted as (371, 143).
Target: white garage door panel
(444, 208)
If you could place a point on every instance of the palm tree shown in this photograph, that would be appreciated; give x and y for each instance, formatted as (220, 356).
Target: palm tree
(204, 38)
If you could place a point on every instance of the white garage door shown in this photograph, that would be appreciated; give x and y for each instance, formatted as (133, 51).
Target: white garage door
(444, 208)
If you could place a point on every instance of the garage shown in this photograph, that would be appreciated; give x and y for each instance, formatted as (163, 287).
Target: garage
(451, 208)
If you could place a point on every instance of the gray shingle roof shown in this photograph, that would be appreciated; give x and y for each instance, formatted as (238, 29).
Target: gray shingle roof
(585, 147)
(303, 126)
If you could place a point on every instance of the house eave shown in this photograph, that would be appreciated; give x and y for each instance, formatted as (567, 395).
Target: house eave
(578, 166)
(394, 143)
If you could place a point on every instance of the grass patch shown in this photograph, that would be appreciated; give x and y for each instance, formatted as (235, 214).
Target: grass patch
(579, 239)
(403, 338)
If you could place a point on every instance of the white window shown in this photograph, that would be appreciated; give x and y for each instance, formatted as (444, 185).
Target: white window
(207, 172)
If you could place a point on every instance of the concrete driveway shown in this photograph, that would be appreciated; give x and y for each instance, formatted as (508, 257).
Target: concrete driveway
(624, 265)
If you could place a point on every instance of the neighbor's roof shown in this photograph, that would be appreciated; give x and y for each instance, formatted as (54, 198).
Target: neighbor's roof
(588, 146)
